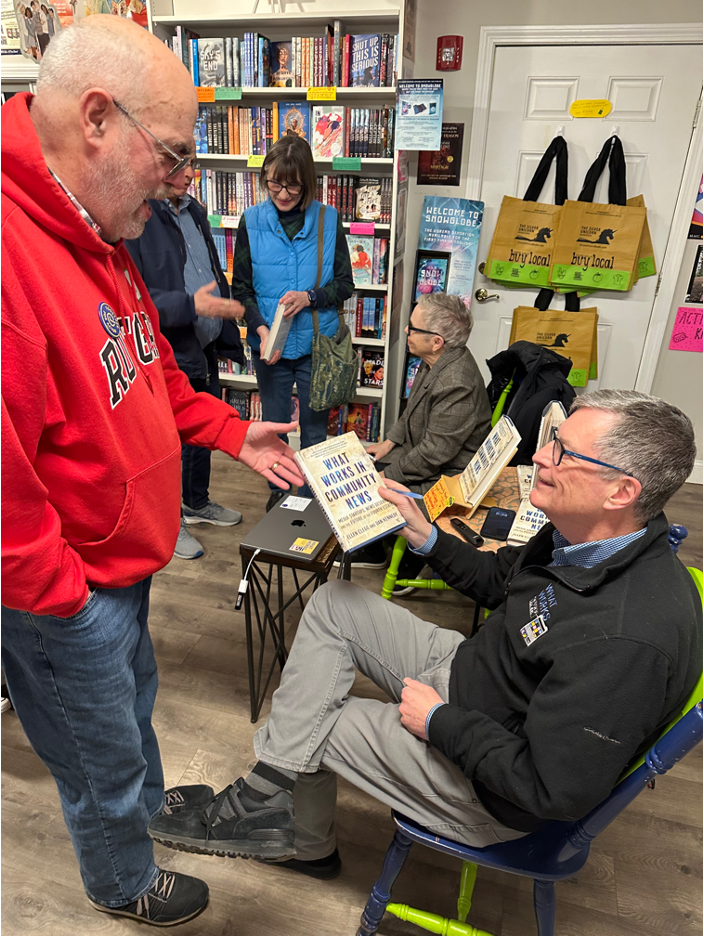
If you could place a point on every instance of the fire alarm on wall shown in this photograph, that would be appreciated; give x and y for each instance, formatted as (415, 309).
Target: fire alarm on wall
(449, 53)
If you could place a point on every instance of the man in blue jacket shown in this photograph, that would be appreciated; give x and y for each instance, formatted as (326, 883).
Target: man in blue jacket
(178, 260)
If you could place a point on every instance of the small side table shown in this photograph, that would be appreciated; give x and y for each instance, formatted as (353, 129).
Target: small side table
(266, 598)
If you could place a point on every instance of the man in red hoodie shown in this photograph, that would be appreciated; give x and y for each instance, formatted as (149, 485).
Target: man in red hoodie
(94, 412)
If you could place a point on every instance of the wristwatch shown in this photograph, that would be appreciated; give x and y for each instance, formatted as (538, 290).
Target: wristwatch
(312, 298)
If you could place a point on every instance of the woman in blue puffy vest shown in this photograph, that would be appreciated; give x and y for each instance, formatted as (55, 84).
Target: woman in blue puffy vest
(276, 261)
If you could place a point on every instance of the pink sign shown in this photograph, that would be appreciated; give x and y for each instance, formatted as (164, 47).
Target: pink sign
(687, 330)
(362, 227)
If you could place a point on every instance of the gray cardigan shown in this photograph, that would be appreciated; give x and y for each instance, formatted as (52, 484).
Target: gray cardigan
(446, 420)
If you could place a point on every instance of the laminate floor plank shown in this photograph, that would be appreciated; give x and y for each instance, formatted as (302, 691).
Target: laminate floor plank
(643, 877)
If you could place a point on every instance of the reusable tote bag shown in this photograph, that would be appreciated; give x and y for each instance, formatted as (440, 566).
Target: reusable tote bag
(571, 333)
(334, 363)
(523, 239)
(598, 245)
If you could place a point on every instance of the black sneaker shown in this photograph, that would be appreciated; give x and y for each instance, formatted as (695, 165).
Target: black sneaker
(323, 869)
(173, 899)
(248, 828)
(274, 499)
(369, 557)
(180, 798)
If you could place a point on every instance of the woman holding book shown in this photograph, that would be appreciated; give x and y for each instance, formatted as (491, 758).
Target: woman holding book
(276, 262)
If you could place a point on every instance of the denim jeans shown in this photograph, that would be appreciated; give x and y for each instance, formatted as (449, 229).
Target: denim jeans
(195, 461)
(275, 382)
(84, 688)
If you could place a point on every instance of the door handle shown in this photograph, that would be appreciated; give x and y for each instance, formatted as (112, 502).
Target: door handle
(482, 295)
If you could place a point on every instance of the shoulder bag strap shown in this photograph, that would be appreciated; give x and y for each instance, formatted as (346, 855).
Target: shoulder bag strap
(321, 228)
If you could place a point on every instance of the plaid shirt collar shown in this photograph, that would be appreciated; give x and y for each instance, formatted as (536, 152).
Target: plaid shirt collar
(586, 555)
(78, 206)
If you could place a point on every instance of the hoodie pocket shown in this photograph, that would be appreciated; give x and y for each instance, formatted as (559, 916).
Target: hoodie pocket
(144, 536)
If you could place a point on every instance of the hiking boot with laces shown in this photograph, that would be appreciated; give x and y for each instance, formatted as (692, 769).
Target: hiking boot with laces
(173, 898)
(235, 824)
(180, 798)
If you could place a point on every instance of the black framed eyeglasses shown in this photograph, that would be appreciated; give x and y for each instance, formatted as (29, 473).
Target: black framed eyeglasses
(421, 331)
(559, 451)
(180, 161)
(275, 187)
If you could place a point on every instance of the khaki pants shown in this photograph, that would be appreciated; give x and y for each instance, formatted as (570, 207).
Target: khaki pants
(318, 730)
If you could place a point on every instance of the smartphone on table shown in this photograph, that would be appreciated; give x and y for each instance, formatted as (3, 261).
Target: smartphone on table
(498, 522)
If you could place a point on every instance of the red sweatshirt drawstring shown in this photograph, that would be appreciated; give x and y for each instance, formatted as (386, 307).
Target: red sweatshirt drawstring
(125, 321)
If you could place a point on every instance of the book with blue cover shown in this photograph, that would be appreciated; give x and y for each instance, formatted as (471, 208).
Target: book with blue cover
(294, 120)
(365, 61)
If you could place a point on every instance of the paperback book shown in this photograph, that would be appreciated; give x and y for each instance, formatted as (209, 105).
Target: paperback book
(328, 132)
(466, 491)
(368, 200)
(372, 374)
(278, 333)
(211, 63)
(294, 120)
(345, 483)
(553, 416)
(365, 60)
(526, 524)
(361, 250)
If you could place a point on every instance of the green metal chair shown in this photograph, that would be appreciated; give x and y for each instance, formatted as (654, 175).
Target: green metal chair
(391, 579)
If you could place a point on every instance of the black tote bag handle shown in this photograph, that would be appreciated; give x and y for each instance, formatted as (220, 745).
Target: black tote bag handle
(611, 152)
(544, 298)
(557, 151)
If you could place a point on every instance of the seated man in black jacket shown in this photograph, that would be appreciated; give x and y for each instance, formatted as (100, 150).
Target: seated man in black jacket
(593, 646)
(178, 260)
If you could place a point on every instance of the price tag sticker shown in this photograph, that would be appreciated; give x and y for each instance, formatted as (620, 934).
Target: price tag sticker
(230, 221)
(205, 95)
(589, 108)
(347, 162)
(322, 94)
(362, 227)
(255, 162)
(228, 94)
(214, 220)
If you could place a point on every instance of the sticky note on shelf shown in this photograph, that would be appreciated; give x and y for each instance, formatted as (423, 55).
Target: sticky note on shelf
(322, 94)
(362, 227)
(228, 94)
(255, 162)
(214, 220)
(347, 162)
(205, 95)
(230, 221)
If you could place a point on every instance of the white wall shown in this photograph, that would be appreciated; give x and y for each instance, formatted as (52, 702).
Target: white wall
(679, 374)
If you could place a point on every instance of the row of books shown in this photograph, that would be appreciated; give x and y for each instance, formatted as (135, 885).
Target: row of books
(226, 193)
(369, 257)
(367, 60)
(365, 316)
(371, 366)
(364, 419)
(224, 239)
(226, 366)
(357, 199)
(228, 129)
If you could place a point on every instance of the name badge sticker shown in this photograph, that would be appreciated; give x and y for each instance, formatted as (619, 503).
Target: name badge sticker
(304, 546)
(534, 629)
(295, 503)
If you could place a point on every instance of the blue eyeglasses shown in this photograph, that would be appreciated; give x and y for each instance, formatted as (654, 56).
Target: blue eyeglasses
(559, 451)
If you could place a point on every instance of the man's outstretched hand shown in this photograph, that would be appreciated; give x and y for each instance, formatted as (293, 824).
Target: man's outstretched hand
(263, 451)
(417, 699)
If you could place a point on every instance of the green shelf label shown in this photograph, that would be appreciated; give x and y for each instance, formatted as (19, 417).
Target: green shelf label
(228, 94)
(214, 220)
(347, 162)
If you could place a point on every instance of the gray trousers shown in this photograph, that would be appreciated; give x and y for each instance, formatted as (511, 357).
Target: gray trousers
(318, 730)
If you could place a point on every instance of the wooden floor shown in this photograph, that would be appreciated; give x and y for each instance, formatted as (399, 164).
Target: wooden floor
(643, 878)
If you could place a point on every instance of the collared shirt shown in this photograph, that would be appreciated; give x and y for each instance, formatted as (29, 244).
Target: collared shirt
(584, 555)
(198, 270)
(79, 207)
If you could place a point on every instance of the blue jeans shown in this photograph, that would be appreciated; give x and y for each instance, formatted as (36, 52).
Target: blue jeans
(195, 461)
(275, 382)
(84, 688)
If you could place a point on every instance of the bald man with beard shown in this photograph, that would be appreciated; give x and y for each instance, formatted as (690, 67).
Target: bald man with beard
(94, 413)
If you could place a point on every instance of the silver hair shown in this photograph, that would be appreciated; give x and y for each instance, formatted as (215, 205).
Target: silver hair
(81, 57)
(652, 440)
(448, 316)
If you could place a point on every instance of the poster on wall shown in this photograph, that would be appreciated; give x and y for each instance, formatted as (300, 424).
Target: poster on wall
(418, 114)
(27, 27)
(451, 227)
(409, 29)
(695, 225)
(442, 167)
(687, 330)
(694, 290)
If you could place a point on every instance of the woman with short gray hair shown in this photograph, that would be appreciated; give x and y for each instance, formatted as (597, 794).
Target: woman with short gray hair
(447, 416)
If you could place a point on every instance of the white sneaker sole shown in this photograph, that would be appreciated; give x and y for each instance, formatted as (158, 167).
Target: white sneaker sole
(223, 523)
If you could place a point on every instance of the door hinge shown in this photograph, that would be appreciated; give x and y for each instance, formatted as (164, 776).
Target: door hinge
(658, 284)
(697, 113)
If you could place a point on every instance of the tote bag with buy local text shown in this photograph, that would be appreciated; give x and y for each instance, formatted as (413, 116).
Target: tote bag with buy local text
(571, 333)
(598, 245)
(522, 244)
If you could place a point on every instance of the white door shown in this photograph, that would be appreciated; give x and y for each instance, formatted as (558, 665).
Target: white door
(654, 90)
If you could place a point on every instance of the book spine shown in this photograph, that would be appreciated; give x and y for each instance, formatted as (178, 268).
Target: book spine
(382, 59)
(194, 66)
(236, 67)
(336, 54)
(359, 328)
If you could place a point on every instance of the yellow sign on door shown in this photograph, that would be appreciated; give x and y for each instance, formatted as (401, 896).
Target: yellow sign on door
(588, 108)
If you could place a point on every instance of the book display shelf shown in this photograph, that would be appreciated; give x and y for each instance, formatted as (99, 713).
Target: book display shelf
(237, 161)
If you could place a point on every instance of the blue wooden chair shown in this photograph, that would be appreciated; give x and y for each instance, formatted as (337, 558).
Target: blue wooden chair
(557, 851)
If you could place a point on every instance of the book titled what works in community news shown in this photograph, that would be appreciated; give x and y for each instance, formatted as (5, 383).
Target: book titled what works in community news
(345, 483)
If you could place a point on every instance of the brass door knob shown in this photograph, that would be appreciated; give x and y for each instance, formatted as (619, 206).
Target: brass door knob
(482, 295)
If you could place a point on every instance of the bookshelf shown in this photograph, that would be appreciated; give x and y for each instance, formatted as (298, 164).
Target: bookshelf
(280, 28)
